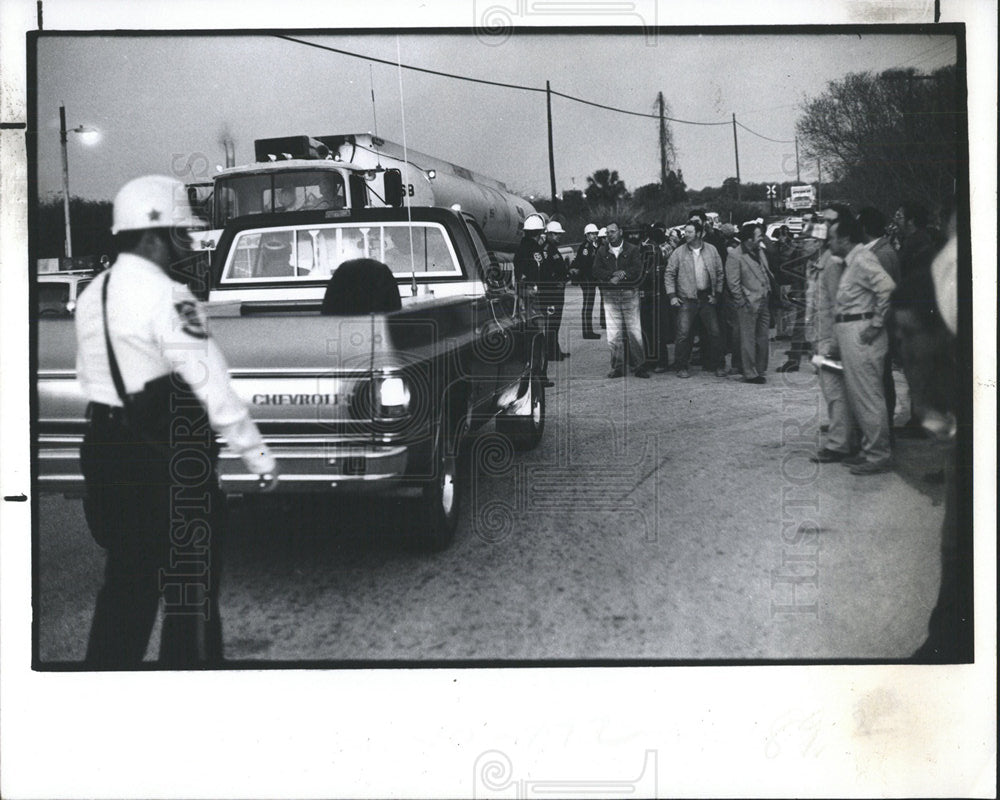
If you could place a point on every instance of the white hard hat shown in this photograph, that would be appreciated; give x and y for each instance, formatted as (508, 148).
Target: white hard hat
(554, 227)
(534, 223)
(602, 232)
(153, 201)
(591, 228)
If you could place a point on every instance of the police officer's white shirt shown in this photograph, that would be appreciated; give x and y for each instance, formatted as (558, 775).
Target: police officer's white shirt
(156, 327)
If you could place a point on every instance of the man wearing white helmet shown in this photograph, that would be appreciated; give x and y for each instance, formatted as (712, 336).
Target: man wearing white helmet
(554, 277)
(581, 272)
(157, 386)
(528, 260)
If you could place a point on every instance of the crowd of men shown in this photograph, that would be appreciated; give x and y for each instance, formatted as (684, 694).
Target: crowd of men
(864, 293)
(722, 288)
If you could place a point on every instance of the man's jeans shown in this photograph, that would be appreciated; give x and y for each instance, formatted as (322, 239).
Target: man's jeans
(621, 307)
(712, 350)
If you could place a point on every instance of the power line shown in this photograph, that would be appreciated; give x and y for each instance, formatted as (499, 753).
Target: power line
(762, 136)
(406, 66)
(947, 43)
(486, 82)
(633, 113)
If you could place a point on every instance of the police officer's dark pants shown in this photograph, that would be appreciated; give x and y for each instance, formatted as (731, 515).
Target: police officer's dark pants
(686, 315)
(589, 292)
(537, 323)
(164, 521)
(552, 299)
(559, 295)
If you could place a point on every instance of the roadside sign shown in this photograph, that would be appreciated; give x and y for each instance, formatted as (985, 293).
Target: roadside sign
(772, 191)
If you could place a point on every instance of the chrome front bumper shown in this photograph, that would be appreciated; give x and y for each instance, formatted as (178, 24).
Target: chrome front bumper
(306, 464)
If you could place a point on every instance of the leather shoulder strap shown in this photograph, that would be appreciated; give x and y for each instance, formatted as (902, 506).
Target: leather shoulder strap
(116, 374)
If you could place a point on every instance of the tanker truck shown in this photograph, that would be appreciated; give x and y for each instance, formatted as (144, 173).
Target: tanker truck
(349, 172)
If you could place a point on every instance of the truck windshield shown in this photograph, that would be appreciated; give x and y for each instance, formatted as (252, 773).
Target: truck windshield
(270, 193)
(314, 252)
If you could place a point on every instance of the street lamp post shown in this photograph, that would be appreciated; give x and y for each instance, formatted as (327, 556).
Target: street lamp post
(90, 134)
(65, 171)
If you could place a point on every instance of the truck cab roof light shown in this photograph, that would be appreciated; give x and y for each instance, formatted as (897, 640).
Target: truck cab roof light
(432, 174)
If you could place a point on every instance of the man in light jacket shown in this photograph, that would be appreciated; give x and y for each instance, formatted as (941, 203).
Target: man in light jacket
(693, 280)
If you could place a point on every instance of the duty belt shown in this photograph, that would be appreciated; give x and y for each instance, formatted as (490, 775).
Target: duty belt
(104, 414)
(853, 317)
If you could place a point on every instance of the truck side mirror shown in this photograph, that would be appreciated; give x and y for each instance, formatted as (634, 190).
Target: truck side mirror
(494, 278)
(393, 184)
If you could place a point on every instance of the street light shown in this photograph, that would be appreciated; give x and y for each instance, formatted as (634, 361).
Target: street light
(88, 136)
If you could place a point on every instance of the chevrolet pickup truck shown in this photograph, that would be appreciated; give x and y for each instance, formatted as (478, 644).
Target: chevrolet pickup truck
(367, 403)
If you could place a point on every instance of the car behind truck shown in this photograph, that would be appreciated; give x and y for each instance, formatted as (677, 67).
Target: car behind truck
(372, 402)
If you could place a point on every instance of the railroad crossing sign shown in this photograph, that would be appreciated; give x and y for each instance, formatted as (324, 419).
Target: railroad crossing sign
(772, 191)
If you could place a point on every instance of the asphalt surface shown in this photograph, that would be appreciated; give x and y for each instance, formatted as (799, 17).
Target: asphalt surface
(661, 519)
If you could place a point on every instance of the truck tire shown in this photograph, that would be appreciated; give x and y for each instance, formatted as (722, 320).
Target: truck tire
(525, 430)
(441, 498)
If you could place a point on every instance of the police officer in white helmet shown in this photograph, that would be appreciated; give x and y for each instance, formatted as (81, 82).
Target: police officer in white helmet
(158, 391)
(528, 259)
(555, 275)
(581, 273)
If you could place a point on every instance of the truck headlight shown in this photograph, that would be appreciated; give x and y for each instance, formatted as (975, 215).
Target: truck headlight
(392, 398)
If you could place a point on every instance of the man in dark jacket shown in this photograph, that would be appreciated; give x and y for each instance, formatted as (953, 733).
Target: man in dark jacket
(917, 249)
(581, 271)
(652, 299)
(618, 270)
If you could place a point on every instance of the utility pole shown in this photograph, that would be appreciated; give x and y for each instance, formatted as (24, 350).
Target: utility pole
(552, 160)
(736, 147)
(819, 183)
(798, 175)
(663, 139)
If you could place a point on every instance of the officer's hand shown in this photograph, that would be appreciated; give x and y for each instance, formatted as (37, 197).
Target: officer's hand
(268, 481)
(676, 302)
(870, 334)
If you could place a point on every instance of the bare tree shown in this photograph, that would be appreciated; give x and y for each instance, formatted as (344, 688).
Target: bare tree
(888, 137)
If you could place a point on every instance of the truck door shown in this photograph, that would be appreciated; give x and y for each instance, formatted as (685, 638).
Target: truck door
(503, 336)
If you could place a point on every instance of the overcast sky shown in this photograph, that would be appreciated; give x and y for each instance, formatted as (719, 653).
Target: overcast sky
(163, 102)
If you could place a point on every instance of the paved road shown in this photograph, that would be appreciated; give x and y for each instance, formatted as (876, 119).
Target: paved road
(659, 519)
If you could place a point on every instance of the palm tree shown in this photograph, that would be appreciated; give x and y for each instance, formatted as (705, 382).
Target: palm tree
(605, 187)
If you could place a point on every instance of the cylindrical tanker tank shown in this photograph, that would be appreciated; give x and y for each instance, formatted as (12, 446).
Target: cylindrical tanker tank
(430, 181)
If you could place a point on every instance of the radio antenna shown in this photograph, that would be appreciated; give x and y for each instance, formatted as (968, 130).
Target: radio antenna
(406, 170)
(371, 84)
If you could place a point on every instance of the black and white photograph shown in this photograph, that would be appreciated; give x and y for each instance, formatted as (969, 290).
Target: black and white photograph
(512, 386)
